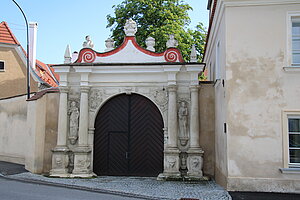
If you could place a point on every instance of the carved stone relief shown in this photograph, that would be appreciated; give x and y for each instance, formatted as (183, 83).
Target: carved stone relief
(96, 97)
(195, 165)
(160, 97)
(61, 161)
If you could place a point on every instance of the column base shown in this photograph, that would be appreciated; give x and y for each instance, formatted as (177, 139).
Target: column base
(60, 161)
(82, 162)
(195, 163)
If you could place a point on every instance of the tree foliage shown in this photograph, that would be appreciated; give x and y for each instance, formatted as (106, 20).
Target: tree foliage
(158, 19)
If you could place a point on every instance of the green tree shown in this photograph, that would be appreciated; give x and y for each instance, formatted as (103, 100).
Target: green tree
(158, 19)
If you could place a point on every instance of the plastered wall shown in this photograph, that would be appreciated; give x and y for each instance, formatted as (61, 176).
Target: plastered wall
(257, 91)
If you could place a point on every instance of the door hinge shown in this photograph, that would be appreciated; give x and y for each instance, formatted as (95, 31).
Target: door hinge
(223, 82)
(225, 128)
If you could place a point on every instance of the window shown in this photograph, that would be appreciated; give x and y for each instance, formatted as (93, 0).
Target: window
(296, 41)
(294, 141)
(1, 65)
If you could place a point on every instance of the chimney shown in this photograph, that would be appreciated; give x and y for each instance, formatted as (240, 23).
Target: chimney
(32, 44)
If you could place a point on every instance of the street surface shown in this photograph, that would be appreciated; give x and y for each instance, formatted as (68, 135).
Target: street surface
(14, 190)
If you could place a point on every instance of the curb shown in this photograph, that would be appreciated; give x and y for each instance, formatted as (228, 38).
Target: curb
(84, 188)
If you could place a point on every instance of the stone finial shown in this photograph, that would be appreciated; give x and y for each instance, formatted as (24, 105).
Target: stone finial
(88, 43)
(110, 44)
(172, 42)
(193, 56)
(130, 27)
(150, 43)
(68, 56)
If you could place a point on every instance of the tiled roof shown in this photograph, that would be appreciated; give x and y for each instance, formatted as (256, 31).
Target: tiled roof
(6, 36)
(45, 72)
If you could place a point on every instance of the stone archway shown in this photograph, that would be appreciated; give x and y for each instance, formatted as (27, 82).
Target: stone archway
(128, 137)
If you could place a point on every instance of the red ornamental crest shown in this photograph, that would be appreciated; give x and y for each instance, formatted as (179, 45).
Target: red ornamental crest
(171, 55)
(88, 56)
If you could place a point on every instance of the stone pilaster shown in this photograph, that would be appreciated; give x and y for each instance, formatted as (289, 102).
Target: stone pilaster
(82, 153)
(195, 153)
(171, 153)
(60, 159)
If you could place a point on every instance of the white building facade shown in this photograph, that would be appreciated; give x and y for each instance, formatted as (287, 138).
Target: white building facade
(252, 55)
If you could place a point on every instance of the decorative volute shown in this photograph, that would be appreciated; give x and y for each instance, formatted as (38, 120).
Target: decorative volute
(193, 56)
(172, 42)
(68, 56)
(150, 43)
(130, 27)
(88, 43)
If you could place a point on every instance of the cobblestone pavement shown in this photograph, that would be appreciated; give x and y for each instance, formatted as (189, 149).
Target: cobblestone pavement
(147, 188)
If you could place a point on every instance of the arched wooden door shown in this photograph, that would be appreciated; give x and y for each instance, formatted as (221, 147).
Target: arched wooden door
(128, 138)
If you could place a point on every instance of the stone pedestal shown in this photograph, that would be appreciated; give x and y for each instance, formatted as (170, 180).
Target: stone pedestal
(171, 165)
(60, 162)
(195, 164)
(82, 163)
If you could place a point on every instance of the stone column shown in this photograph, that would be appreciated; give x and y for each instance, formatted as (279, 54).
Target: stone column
(60, 159)
(82, 153)
(194, 117)
(171, 153)
(172, 117)
(195, 153)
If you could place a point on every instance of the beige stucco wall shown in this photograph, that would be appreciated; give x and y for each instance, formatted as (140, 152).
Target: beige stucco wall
(13, 135)
(42, 129)
(51, 129)
(13, 79)
(257, 91)
(207, 127)
(29, 131)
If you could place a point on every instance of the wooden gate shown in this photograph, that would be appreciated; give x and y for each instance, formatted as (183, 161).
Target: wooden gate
(128, 139)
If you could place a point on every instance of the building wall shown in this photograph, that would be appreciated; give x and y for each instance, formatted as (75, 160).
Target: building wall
(42, 123)
(13, 79)
(13, 134)
(207, 127)
(29, 131)
(217, 38)
(258, 90)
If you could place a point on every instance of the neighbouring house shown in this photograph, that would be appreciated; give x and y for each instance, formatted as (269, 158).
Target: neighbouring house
(13, 67)
(20, 131)
(253, 56)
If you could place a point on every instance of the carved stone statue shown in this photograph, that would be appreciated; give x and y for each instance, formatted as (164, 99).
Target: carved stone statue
(172, 42)
(88, 43)
(130, 27)
(110, 44)
(74, 122)
(183, 120)
(150, 43)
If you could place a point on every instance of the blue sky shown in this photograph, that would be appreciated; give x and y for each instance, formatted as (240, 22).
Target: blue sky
(62, 22)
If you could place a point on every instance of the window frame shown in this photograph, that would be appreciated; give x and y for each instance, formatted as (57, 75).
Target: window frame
(290, 66)
(2, 70)
(286, 115)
